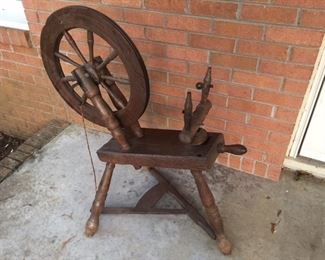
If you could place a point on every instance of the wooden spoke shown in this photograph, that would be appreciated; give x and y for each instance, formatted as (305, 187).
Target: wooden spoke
(90, 40)
(69, 78)
(107, 60)
(119, 104)
(84, 99)
(74, 46)
(66, 59)
(118, 80)
(73, 86)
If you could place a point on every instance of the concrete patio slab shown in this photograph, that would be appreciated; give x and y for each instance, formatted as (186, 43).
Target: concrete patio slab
(45, 204)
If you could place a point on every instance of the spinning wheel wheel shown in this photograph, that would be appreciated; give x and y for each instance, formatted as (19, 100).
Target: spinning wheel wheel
(94, 25)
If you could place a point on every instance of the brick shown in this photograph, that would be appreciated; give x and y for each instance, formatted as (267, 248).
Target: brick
(240, 30)
(19, 38)
(25, 50)
(312, 18)
(156, 75)
(275, 158)
(144, 18)
(215, 124)
(8, 65)
(295, 87)
(289, 115)
(234, 61)
(253, 153)
(26, 149)
(274, 173)
(32, 16)
(268, 14)
(293, 71)
(304, 55)
(18, 156)
(182, 80)
(165, 35)
(29, 69)
(271, 124)
(211, 42)
(153, 119)
(263, 49)
(19, 76)
(166, 64)
(167, 111)
(247, 165)
(232, 139)
(11, 56)
(187, 54)
(249, 106)
(246, 130)
(228, 114)
(217, 99)
(175, 124)
(151, 48)
(261, 145)
(295, 36)
(35, 28)
(160, 99)
(280, 138)
(256, 80)
(9, 163)
(168, 90)
(233, 90)
(114, 13)
(44, 5)
(42, 16)
(260, 169)
(301, 3)
(277, 98)
(223, 159)
(234, 161)
(4, 46)
(189, 23)
(4, 36)
(124, 3)
(4, 73)
(134, 31)
(178, 6)
(4, 173)
(213, 8)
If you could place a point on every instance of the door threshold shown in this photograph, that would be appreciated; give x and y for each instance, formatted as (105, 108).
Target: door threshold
(316, 168)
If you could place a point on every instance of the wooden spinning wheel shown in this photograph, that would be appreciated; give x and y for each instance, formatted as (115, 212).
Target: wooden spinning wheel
(83, 77)
(57, 29)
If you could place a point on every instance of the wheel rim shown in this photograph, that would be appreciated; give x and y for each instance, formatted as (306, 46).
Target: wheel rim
(58, 27)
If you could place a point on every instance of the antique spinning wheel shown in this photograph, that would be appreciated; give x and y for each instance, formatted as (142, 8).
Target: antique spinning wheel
(59, 30)
(81, 72)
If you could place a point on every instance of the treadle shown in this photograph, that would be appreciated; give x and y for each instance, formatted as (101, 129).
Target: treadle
(146, 205)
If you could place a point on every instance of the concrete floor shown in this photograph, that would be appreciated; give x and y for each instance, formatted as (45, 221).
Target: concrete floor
(45, 204)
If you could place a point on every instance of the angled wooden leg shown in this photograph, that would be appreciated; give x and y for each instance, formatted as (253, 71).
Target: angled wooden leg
(212, 211)
(99, 202)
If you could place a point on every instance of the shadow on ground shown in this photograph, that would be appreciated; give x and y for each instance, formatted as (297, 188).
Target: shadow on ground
(45, 204)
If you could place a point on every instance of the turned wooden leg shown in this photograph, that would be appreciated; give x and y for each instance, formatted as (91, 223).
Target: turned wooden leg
(212, 211)
(99, 202)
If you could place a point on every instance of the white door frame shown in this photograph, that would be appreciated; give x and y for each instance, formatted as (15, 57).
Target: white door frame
(292, 159)
(309, 102)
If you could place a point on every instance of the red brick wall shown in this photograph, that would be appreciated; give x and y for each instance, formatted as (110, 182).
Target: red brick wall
(262, 53)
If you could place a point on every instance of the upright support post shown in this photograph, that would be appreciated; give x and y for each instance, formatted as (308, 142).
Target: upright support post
(212, 211)
(99, 202)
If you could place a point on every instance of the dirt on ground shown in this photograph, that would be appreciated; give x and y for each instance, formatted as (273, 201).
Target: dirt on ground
(8, 144)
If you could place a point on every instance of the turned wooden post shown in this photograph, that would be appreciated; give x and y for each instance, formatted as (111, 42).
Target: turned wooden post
(212, 211)
(99, 202)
